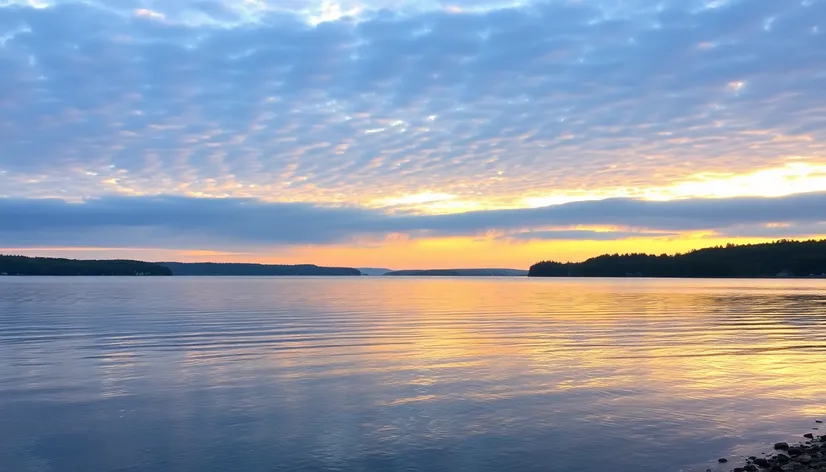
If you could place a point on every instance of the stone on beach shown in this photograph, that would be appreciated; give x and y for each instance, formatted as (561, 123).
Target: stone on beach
(806, 456)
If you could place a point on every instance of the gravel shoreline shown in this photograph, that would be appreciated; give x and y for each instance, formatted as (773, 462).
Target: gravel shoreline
(806, 456)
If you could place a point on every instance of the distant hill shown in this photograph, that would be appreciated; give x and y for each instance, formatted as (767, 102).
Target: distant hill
(373, 271)
(779, 259)
(460, 273)
(21, 265)
(214, 268)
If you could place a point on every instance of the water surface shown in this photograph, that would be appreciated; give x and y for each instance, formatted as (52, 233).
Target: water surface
(394, 374)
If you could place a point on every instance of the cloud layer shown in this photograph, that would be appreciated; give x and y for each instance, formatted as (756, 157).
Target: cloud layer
(323, 122)
(486, 103)
(181, 222)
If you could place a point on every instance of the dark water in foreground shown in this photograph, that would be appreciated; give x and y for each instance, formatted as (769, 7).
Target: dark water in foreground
(246, 374)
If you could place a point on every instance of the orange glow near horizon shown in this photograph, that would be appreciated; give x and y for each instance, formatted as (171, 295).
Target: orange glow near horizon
(433, 253)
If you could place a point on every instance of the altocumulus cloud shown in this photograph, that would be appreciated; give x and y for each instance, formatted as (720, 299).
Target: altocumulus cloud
(166, 222)
(275, 103)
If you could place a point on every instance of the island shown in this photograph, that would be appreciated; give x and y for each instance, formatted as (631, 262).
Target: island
(459, 273)
(235, 269)
(784, 258)
(22, 265)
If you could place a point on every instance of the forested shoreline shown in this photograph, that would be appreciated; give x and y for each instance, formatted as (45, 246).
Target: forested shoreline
(782, 258)
(22, 265)
(247, 269)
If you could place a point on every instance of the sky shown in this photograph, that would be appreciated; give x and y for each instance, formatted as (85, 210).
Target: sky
(408, 133)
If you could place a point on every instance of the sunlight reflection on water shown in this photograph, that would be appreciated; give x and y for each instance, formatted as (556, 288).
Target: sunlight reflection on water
(489, 374)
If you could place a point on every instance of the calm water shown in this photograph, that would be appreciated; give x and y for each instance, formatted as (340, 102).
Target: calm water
(370, 374)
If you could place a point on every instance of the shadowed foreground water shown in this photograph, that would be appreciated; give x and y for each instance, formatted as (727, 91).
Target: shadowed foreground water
(372, 374)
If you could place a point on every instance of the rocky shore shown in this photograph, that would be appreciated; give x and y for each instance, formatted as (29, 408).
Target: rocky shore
(806, 456)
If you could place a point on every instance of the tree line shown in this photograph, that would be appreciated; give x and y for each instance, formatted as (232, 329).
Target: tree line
(780, 258)
(22, 265)
(242, 269)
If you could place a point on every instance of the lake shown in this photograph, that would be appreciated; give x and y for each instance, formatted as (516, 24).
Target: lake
(403, 374)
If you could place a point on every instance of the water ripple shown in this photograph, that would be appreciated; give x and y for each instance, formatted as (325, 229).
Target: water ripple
(258, 374)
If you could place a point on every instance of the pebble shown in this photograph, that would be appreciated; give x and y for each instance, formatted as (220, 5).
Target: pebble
(805, 456)
(762, 462)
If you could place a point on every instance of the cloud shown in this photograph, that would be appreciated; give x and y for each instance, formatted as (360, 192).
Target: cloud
(776, 231)
(583, 235)
(236, 224)
(360, 102)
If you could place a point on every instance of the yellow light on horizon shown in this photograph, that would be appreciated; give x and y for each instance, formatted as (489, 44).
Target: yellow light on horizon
(793, 178)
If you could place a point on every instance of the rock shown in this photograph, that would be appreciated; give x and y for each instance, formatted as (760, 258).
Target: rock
(804, 456)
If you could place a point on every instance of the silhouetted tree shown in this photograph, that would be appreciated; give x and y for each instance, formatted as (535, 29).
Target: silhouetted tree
(795, 258)
(21, 265)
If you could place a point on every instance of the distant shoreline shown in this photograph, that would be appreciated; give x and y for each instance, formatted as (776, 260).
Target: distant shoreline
(794, 260)
(56, 267)
(426, 276)
(457, 273)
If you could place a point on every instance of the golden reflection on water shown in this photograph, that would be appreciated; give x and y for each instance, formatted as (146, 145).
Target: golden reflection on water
(480, 340)
(395, 363)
